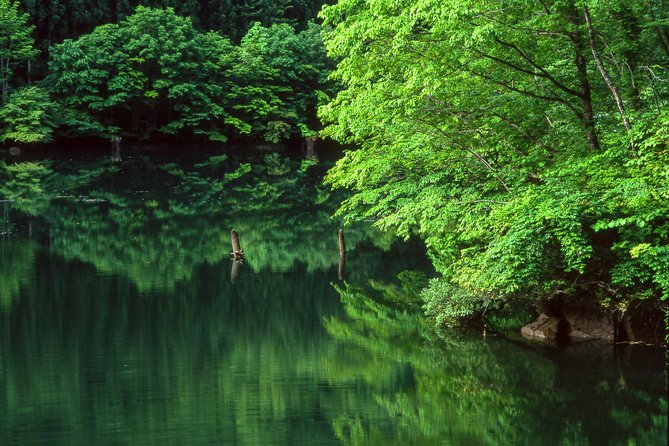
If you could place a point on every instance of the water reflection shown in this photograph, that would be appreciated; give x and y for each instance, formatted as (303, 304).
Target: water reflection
(463, 390)
(123, 321)
(155, 223)
(16, 268)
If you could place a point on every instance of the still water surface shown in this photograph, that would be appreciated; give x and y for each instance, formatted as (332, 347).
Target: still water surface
(124, 322)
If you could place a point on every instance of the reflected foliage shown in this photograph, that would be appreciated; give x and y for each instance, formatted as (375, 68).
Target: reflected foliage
(156, 222)
(17, 271)
(23, 184)
(216, 362)
(120, 319)
(119, 323)
(422, 390)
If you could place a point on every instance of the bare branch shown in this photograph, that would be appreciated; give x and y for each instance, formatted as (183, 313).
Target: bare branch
(604, 73)
(542, 71)
(511, 87)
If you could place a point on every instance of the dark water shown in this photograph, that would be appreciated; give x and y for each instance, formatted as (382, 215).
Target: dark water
(120, 324)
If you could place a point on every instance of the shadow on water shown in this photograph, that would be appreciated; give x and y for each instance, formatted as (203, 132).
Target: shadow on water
(123, 320)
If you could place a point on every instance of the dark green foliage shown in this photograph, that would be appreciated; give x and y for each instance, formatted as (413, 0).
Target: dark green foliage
(146, 68)
(279, 79)
(155, 73)
(152, 73)
(57, 20)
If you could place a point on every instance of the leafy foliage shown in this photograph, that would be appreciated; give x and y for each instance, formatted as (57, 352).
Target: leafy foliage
(525, 142)
(16, 42)
(280, 77)
(28, 116)
(155, 73)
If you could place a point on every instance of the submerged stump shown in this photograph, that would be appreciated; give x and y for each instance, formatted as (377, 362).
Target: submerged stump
(342, 255)
(237, 256)
(235, 270)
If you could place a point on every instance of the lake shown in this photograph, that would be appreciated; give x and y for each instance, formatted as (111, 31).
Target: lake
(124, 321)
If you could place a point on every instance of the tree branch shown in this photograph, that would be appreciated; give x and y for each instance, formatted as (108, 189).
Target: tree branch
(545, 6)
(602, 71)
(542, 71)
(557, 99)
(471, 151)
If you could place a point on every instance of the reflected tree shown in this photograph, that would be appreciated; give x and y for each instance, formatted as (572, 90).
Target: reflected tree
(426, 388)
(157, 222)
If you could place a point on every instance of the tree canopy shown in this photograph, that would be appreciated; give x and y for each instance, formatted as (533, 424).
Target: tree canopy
(156, 73)
(526, 141)
(153, 72)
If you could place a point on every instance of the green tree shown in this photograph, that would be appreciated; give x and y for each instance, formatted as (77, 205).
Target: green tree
(153, 73)
(28, 116)
(16, 42)
(523, 140)
(280, 77)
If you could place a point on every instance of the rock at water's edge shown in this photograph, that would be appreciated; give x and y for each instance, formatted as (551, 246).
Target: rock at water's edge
(577, 320)
(583, 325)
(545, 328)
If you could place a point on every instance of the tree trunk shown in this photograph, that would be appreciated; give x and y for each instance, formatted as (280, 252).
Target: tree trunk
(4, 72)
(236, 247)
(311, 151)
(587, 117)
(234, 272)
(604, 73)
(116, 148)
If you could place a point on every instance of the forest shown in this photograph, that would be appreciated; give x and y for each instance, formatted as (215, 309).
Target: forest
(525, 141)
(196, 70)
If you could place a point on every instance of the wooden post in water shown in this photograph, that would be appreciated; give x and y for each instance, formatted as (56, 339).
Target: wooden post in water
(237, 256)
(342, 255)
(234, 272)
(237, 252)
